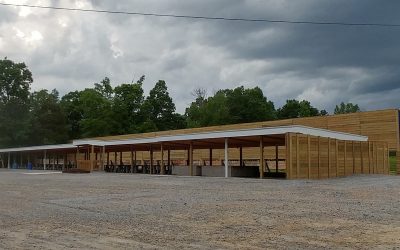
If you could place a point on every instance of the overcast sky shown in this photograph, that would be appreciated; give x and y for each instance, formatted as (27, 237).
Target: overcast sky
(324, 64)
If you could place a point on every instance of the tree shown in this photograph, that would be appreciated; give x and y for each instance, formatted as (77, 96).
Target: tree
(295, 109)
(249, 105)
(15, 81)
(48, 123)
(347, 108)
(104, 88)
(72, 108)
(127, 107)
(159, 110)
(97, 115)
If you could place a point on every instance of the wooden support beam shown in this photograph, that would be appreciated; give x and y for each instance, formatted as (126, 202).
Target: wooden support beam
(262, 162)
(190, 156)
(345, 158)
(226, 159)
(329, 157)
(44, 160)
(91, 158)
(369, 157)
(162, 171)
(354, 156)
(288, 143)
(132, 162)
(103, 156)
(151, 160)
(376, 160)
(241, 156)
(309, 155)
(211, 157)
(108, 158)
(319, 157)
(276, 158)
(297, 157)
(362, 157)
(169, 158)
(337, 156)
(9, 160)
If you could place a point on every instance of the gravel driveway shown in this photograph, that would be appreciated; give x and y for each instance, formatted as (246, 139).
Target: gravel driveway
(103, 211)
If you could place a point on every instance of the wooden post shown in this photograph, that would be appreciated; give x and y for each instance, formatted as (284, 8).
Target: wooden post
(91, 158)
(151, 160)
(277, 158)
(169, 159)
(376, 160)
(319, 157)
(103, 156)
(108, 159)
(329, 157)
(21, 162)
(309, 155)
(115, 159)
(354, 157)
(337, 157)
(241, 156)
(9, 160)
(211, 157)
(76, 157)
(345, 157)
(288, 156)
(362, 157)
(190, 156)
(297, 157)
(369, 157)
(162, 160)
(226, 159)
(261, 167)
(120, 158)
(132, 162)
(44, 160)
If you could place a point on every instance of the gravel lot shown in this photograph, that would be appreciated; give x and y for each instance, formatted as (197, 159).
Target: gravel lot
(103, 211)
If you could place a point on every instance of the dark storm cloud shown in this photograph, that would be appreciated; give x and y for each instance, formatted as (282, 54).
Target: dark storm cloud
(324, 64)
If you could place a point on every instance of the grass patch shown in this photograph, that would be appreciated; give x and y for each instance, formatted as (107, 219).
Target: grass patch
(393, 162)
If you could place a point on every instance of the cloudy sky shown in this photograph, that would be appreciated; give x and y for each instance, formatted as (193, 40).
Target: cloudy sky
(324, 64)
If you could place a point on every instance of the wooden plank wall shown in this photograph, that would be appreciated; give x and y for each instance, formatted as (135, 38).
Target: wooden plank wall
(381, 125)
(313, 157)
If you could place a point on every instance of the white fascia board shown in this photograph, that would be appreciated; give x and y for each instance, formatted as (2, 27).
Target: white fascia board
(241, 133)
(88, 142)
(38, 148)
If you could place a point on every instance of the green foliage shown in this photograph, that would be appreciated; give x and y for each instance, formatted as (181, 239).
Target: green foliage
(346, 108)
(15, 81)
(128, 102)
(42, 118)
(48, 123)
(239, 105)
(159, 110)
(296, 109)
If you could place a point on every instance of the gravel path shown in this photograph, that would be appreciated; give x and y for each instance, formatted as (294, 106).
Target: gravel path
(104, 211)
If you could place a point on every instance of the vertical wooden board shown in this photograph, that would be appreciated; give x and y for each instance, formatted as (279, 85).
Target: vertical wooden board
(323, 154)
(314, 157)
(341, 161)
(357, 158)
(303, 160)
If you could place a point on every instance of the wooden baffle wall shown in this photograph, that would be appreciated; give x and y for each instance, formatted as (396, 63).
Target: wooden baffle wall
(311, 157)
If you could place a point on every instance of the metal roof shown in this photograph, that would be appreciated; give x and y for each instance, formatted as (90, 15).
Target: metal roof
(39, 148)
(228, 134)
(200, 136)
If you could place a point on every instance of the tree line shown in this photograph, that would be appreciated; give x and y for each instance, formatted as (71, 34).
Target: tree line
(43, 117)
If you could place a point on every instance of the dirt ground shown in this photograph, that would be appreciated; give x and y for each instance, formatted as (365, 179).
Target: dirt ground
(119, 211)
